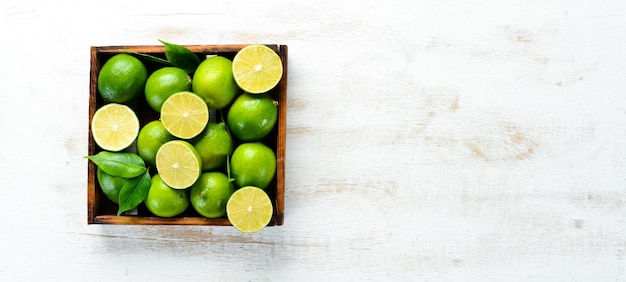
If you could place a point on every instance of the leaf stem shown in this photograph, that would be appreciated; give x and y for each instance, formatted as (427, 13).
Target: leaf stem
(149, 57)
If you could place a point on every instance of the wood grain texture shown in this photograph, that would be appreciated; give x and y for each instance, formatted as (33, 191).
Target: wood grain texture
(425, 141)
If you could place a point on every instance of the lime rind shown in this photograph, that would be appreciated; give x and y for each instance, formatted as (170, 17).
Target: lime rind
(249, 209)
(257, 69)
(179, 164)
(184, 114)
(114, 127)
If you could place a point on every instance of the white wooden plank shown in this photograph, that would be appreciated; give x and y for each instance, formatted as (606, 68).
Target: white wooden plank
(437, 141)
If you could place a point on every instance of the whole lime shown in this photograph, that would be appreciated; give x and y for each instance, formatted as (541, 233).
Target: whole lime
(151, 137)
(164, 82)
(213, 80)
(253, 164)
(122, 78)
(252, 116)
(165, 201)
(110, 185)
(214, 145)
(210, 194)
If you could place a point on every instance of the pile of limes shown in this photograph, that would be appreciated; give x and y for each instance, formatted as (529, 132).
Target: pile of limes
(218, 165)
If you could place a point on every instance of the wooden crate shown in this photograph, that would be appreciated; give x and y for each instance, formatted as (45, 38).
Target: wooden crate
(100, 210)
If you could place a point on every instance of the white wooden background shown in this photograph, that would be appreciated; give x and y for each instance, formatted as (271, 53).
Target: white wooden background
(454, 140)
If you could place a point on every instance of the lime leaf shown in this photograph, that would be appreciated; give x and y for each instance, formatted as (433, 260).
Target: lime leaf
(181, 57)
(122, 164)
(134, 191)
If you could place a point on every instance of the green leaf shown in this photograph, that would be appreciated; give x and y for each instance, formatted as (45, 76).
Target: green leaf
(134, 191)
(122, 164)
(181, 57)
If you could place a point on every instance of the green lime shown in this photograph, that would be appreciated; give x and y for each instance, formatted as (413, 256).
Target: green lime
(178, 164)
(252, 116)
(114, 127)
(213, 80)
(257, 68)
(253, 164)
(185, 114)
(110, 185)
(150, 139)
(122, 78)
(214, 145)
(210, 194)
(164, 82)
(165, 201)
(249, 209)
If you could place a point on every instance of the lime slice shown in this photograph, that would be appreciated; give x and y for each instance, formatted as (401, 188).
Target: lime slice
(249, 209)
(184, 114)
(257, 69)
(114, 127)
(179, 164)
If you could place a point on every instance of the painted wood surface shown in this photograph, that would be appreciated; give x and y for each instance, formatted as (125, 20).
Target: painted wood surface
(426, 141)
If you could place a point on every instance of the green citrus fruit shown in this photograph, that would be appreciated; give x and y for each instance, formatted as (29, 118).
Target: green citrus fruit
(164, 82)
(213, 80)
(114, 127)
(257, 68)
(252, 116)
(150, 139)
(184, 114)
(110, 185)
(165, 201)
(253, 164)
(179, 164)
(122, 78)
(214, 145)
(249, 209)
(210, 194)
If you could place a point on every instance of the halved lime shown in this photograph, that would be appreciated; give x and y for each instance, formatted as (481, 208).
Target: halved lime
(114, 127)
(257, 68)
(249, 209)
(184, 114)
(179, 164)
